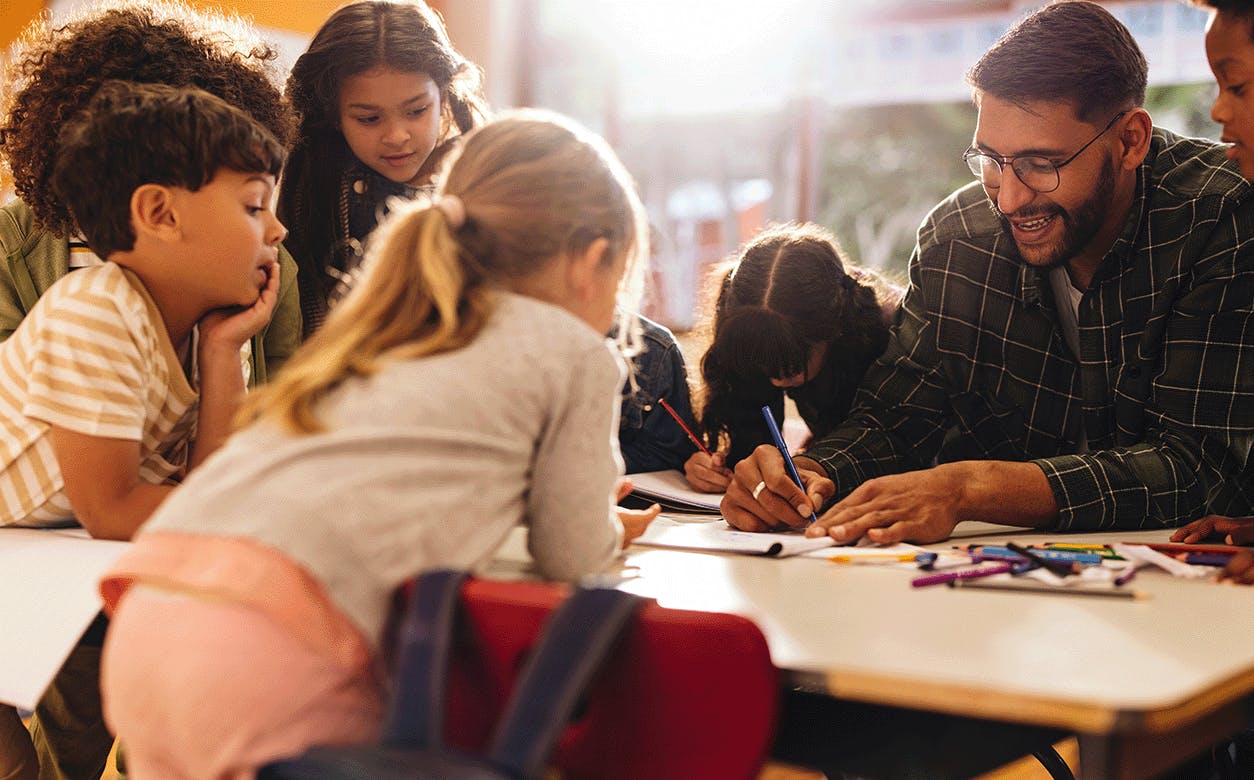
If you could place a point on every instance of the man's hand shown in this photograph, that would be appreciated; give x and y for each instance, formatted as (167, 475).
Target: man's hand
(707, 473)
(918, 506)
(1233, 530)
(762, 497)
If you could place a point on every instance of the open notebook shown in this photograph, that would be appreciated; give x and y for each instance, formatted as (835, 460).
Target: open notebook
(714, 535)
(670, 489)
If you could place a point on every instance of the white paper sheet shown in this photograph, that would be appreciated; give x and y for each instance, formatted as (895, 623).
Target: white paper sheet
(671, 489)
(715, 535)
(48, 597)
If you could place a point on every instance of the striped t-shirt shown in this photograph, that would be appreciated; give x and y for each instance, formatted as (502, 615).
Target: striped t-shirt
(93, 357)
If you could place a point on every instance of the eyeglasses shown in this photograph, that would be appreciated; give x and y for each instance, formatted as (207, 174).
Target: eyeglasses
(1037, 173)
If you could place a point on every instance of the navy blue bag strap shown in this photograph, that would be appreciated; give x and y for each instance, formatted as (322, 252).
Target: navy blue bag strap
(576, 638)
(416, 717)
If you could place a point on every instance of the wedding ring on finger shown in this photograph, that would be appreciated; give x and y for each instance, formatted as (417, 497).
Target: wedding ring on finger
(757, 491)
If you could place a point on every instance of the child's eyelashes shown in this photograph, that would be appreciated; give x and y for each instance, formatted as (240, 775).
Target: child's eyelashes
(1237, 89)
(374, 119)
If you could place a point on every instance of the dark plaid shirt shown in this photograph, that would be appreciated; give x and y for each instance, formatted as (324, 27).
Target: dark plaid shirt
(977, 366)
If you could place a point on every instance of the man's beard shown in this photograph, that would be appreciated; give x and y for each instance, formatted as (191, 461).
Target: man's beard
(1079, 225)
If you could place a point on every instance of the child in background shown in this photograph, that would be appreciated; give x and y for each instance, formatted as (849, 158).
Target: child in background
(788, 320)
(1230, 50)
(54, 74)
(125, 375)
(464, 385)
(648, 435)
(381, 96)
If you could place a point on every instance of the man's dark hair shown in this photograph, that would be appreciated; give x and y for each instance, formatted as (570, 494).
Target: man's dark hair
(135, 134)
(1237, 9)
(1071, 51)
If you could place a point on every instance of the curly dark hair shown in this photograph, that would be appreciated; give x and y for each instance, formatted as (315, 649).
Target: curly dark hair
(406, 36)
(788, 292)
(189, 135)
(58, 69)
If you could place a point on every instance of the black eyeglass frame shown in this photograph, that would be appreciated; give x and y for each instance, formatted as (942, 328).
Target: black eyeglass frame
(972, 153)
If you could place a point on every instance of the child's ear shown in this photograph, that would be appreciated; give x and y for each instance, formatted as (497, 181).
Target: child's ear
(583, 267)
(153, 212)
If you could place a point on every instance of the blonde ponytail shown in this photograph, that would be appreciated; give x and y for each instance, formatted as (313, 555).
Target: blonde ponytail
(524, 190)
(402, 307)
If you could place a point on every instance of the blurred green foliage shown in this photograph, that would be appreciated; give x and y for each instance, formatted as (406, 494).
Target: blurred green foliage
(884, 167)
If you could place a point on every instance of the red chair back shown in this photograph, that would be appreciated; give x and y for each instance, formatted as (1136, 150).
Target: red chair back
(686, 695)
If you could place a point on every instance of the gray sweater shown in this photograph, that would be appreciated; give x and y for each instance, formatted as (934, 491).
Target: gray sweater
(430, 462)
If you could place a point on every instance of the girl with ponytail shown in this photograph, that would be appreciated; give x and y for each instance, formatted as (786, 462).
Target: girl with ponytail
(788, 319)
(381, 96)
(463, 386)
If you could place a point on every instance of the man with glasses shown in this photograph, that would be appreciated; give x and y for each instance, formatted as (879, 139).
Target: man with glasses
(1074, 350)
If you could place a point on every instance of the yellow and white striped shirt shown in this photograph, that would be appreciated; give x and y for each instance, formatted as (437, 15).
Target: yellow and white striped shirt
(93, 356)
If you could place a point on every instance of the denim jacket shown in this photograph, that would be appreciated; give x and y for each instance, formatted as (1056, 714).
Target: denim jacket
(649, 437)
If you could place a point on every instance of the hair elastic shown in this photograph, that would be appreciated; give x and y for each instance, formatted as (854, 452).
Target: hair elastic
(453, 209)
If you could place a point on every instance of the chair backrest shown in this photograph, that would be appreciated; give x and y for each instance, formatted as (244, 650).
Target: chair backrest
(684, 695)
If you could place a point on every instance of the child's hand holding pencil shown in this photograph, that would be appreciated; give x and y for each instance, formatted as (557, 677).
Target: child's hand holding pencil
(705, 471)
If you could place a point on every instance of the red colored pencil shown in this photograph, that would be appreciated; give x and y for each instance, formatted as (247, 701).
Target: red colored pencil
(687, 430)
(1178, 547)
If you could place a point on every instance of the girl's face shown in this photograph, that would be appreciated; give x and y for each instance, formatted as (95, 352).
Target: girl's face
(1230, 50)
(391, 121)
(817, 355)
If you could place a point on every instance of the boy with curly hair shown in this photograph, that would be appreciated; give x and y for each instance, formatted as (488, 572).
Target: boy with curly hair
(127, 374)
(53, 75)
(54, 72)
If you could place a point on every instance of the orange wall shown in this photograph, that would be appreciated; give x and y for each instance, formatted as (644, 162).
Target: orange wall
(16, 14)
(305, 16)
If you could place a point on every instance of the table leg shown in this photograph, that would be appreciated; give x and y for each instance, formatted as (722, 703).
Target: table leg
(1132, 755)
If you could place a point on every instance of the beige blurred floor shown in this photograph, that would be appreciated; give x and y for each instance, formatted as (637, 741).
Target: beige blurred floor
(1023, 769)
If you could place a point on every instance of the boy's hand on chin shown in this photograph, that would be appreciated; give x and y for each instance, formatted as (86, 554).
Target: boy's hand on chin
(231, 326)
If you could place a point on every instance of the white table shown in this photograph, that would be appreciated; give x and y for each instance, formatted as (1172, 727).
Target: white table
(1144, 684)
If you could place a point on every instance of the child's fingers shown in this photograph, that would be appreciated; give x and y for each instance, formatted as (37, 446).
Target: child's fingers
(1195, 531)
(1243, 534)
(703, 474)
(624, 489)
(1240, 569)
(636, 521)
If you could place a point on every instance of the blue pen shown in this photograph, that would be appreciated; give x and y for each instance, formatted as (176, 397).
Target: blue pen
(783, 450)
(1068, 556)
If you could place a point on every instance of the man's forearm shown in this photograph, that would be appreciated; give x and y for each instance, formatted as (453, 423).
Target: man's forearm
(1004, 492)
